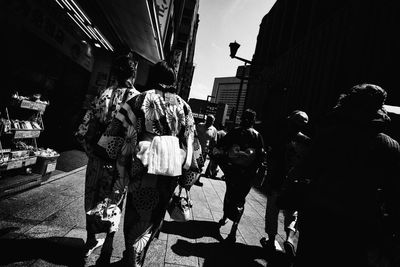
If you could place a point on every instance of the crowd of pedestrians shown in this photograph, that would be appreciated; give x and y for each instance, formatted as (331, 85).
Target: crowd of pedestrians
(341, 182)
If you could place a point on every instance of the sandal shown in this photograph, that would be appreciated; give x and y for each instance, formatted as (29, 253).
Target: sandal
(99, 243)
(289, 249)
(231, 239)
(222, 222)
(268, 245)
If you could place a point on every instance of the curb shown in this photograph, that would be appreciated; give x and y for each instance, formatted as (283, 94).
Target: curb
(62, 175)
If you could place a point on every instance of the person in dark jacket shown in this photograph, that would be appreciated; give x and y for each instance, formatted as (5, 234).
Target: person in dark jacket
(352, 161)
(286, 149)
(244, 149)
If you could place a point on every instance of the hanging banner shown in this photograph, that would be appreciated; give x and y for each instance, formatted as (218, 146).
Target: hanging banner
(162, 10)
(176, 60)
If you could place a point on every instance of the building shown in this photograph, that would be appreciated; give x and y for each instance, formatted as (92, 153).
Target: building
(185, 42)
(307, 52)
(189, 67)
(226, 90)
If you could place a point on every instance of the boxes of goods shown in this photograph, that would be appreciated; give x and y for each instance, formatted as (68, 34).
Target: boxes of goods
(46, 163)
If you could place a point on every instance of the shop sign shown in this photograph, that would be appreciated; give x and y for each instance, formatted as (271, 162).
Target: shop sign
(176, 60)
(198, 115)
(31, 161)
(51, 167)
(212, 109)
(26, 134)
(162, 10)
(243, 72)
(33, 105)
(14, 164)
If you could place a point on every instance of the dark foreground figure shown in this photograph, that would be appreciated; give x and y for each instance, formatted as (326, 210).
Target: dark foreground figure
(354, 170)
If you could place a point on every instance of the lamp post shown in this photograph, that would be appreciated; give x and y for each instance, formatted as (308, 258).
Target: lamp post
(233, 49)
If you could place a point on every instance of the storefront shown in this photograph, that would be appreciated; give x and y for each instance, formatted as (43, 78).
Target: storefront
(60, 52)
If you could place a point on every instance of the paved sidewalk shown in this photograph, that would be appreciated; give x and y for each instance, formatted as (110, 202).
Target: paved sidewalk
(45, 226)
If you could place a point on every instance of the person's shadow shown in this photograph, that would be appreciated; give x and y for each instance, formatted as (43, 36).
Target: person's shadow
(192, 229)
(221, 254)
(65, 251)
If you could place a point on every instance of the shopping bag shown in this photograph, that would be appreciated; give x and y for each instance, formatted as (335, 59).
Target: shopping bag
(180, 207)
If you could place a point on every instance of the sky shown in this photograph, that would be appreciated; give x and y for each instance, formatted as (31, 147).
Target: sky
(223, 22)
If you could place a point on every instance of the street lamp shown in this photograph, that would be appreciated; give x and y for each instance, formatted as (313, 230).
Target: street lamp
(233, 49)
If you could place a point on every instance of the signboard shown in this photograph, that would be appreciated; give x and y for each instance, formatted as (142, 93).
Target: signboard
(198, 115)
(243, 72)
(26, 134)
(33, 105)
(176, 60)
(15, 164)
(162, 10)
(31, 161)
(211, 108)
(51, 167)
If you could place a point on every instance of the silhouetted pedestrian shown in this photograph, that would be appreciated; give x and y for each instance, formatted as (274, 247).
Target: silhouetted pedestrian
(285, 151)
(243, 148)
(212, 168)
(207, 134)
(342, 220)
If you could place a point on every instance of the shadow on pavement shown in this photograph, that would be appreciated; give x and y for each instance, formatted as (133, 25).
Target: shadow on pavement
(220, 254)
(71, 160)
(192, 229)
(57, 250)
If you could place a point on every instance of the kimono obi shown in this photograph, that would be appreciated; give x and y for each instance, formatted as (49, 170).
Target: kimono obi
(162, 155)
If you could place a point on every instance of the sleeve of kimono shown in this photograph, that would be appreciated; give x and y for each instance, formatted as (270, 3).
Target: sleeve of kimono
(87, 128)
(119, 142)
(189, 136)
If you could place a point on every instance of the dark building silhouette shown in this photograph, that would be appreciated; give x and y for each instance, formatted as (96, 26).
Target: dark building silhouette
(307, 52)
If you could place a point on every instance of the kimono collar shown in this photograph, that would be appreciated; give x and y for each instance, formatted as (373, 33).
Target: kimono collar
(166, 88)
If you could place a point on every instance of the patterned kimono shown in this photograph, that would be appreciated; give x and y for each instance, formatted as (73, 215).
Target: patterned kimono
(99, 173)
(152, 139)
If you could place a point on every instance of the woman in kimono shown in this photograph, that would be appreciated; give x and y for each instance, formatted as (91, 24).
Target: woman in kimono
(151, 138)
(99, 172)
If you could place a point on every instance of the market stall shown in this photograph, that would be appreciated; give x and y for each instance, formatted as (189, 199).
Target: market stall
(22, 163)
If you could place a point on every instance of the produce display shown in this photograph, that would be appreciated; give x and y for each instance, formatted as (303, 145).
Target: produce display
(23, 149)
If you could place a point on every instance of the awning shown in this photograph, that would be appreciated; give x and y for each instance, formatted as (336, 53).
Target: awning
(130, 21)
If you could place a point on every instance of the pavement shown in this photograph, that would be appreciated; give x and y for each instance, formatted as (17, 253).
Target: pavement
(45, 226)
